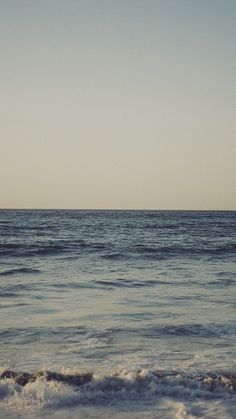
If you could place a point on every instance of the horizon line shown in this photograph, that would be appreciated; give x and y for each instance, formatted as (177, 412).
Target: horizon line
(114, 209)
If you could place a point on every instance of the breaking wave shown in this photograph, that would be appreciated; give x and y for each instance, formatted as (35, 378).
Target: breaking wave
(55, 389)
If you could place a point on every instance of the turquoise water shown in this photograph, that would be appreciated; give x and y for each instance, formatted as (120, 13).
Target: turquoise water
(142, 300)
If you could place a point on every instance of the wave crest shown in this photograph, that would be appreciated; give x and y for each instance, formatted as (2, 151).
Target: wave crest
(210, 381)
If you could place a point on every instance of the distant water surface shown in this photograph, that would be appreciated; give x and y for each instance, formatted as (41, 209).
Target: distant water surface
(143, 301)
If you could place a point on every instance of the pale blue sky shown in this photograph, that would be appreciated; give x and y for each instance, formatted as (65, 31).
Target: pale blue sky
(117, 104)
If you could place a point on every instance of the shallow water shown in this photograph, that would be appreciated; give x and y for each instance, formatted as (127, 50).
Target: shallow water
(127, 296)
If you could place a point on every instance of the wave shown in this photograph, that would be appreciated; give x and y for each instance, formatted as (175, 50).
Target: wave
(223, 279)
(34, 334)
(162, 226)
(210, 330)
(23, 378)
(162, 252)
(49, 388)
(116, 251)
(29, 249)
(185, 250)
(15, 336)
(19, 271)
(128, 283)
(49, 248)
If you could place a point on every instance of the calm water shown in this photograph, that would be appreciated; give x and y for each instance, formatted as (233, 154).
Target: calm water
(144, 301)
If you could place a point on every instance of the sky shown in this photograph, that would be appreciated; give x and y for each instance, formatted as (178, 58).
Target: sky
(117, 104)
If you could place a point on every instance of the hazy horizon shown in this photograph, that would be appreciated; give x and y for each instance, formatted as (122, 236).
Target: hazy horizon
(117, 209)
(117, 104)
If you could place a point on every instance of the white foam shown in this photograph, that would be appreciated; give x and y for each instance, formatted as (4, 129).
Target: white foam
(141, 389)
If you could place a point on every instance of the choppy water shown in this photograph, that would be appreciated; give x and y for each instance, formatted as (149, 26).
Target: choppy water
(141, 302)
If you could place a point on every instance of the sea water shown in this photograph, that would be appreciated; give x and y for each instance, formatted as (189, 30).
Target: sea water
(124, 314)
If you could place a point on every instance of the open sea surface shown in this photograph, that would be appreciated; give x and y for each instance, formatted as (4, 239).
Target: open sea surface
(124, 314)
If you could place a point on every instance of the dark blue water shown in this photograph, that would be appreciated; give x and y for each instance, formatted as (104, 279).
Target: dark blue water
(143, 300)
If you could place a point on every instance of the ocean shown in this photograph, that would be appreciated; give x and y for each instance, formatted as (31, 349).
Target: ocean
(124, 314)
